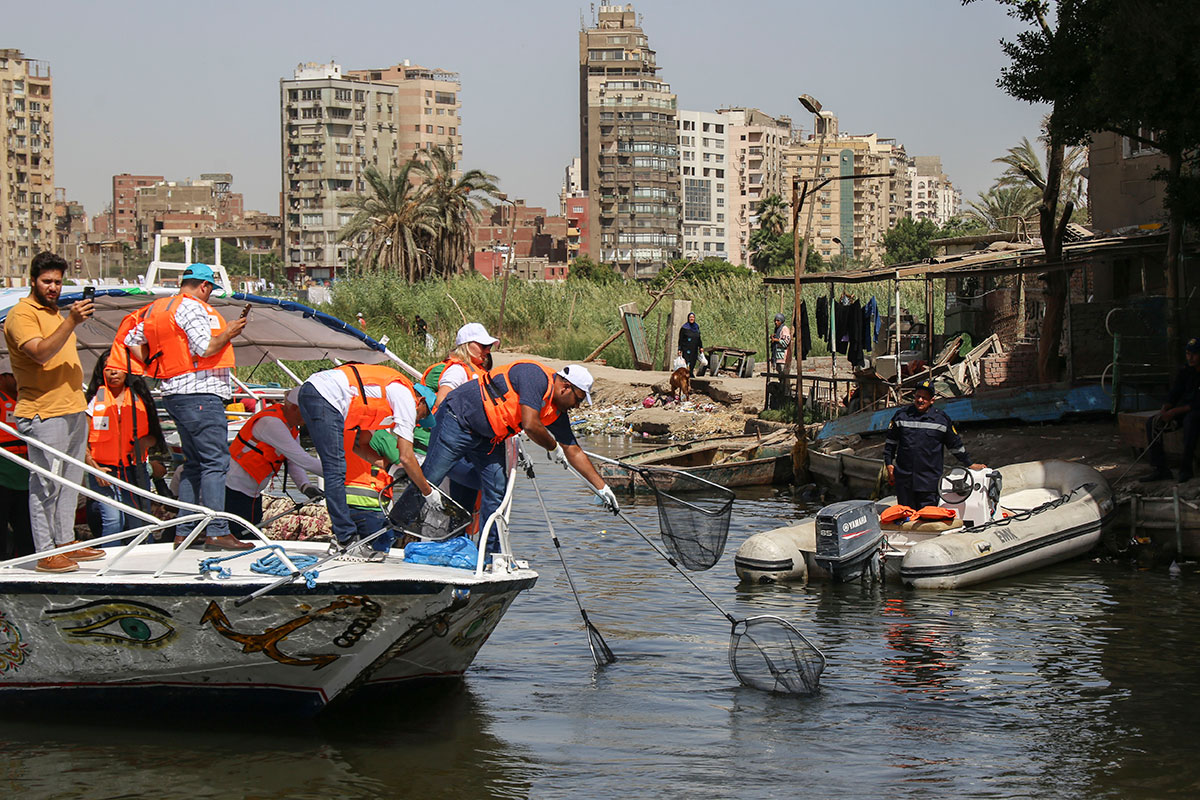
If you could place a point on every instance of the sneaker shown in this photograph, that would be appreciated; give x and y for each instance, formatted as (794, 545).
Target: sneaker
(376, 557)
(337, 548)
(58, 563)
(1157, 475)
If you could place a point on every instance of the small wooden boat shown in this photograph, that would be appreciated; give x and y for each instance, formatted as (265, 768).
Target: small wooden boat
(728, 461)
(1048, 511)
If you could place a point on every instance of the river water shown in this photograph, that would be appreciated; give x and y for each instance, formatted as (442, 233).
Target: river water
(1079, 680)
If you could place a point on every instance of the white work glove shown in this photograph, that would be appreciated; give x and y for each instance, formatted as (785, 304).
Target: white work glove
(435, 500)
(558, 456)
(609, 498)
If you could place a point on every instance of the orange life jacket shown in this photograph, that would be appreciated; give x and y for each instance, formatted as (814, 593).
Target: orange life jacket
(120, 356)
(896, 513)
(372, 413)
(363, 479)
(7, 440)
(259, 459)
(169, 343)
(111, 435)
(936, 513)
(503, 409)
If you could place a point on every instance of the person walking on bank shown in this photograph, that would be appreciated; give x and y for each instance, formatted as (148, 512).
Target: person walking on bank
(912, 450)
(780, 340)
(359, 399)
(690, 343)
(1181, 408)
(186, 344)
(50, 406)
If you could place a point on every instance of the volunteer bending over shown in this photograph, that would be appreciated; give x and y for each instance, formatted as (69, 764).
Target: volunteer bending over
(361, 399)
(475, 419)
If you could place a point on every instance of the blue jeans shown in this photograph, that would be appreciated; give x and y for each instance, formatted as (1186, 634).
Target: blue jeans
(451, 441)
(113, 519)
(204, 434)
(326, 427)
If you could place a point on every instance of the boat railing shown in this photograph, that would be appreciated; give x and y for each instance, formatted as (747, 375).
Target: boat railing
(199, 515)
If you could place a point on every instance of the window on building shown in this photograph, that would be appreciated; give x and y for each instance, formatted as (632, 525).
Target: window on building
(429, 129)
(446, 98)
(720, 217)
(429, 111)
(441, 130)
(454, 131)
(720, 188)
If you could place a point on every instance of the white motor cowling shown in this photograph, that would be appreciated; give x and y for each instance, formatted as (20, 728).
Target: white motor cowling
(974, 494)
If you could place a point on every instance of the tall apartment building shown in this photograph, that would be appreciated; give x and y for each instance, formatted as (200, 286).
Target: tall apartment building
(26, 163)
(856, 212)
(628, 146)
(932, 195)
(705, 177)
(333, 126)
(124, 213)
(757, 142)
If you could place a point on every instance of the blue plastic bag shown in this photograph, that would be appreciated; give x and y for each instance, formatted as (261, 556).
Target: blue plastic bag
(458, 552)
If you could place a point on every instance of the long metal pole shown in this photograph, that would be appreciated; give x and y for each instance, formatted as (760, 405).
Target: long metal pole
(512, 235)
(801, 256)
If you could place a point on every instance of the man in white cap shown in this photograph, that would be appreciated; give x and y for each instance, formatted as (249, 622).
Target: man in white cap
(476, 418)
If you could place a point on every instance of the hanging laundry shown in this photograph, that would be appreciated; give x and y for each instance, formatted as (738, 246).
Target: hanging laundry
(823, 318)
(873, 319)
(805, 339)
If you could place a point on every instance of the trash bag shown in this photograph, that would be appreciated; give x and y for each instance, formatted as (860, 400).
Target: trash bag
(678, 363)
(458, 552)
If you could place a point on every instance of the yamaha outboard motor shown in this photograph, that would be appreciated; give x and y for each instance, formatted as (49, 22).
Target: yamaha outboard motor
(848, 537)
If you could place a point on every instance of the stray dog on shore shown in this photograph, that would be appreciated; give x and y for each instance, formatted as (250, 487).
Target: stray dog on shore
(681, 384)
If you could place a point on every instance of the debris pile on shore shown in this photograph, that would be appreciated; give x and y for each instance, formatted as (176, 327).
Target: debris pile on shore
(686, 420)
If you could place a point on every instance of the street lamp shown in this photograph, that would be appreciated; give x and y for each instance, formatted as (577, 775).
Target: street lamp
(838, 241)
(511, 259)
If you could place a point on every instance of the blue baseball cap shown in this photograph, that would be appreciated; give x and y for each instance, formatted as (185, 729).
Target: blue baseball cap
(1192, 346)
(199, 272)
(430, 399)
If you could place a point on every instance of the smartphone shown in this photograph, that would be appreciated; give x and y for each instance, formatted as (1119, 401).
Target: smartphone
(89, 292)
(246, 311)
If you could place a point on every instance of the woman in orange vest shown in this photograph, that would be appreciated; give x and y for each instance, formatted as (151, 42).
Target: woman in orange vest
(16, 536)
(477, 417)
(123, 427)
(362, 398)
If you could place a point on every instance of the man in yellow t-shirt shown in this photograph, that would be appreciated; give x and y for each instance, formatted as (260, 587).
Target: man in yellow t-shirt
(50, 405)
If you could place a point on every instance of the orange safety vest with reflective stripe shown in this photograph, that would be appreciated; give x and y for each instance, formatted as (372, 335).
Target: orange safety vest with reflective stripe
(168, 343)
(363, 479)
(120, 356)
(111, 433)
(259, 459)
(503, 408)
(7, 440)
(372, 413)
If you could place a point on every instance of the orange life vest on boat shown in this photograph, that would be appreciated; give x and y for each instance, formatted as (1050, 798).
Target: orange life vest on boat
(259, 459)
(168, 343)
(7, 440)
(936, 513)
(120, 356)
(896, 513)
(503, 408)
(363, 479)
(368, 413)
(111, 435)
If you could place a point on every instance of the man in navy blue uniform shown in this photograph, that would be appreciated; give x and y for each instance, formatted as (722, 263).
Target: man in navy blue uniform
(913, 449)
(1182, 408)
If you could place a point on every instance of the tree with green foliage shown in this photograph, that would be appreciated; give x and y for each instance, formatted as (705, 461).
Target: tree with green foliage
(585, 269)
(456, 201)
(1023, 169)
(909, 241)
(1004, 208)
(775, 254)
(961, 225)
(393, 224)
(773, 215)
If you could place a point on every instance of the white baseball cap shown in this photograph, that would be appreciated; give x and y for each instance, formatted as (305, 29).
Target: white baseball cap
(578, 377)
(473, 332)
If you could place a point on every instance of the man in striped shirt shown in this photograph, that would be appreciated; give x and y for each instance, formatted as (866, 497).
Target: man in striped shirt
(188, 345)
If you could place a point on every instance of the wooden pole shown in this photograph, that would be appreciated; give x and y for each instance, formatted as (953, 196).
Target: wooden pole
(665, 290)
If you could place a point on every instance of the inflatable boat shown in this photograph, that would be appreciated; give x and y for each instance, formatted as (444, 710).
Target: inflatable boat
(1007, 521)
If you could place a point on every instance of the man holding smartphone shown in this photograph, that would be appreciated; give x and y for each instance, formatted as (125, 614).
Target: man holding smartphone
(50, 405)
(186, 343)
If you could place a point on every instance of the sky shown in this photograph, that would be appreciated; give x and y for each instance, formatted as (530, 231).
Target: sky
(179, 89)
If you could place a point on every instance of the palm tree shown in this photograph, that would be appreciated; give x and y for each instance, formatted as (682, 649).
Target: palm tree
(1024, 168)
(456, 203)
(392, 225)
(999, 207)
(772, 215)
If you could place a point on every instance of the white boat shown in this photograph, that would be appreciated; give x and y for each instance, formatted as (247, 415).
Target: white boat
(151, 624)
(1048, 511)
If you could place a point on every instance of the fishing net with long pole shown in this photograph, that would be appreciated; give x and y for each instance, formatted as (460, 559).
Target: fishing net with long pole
(693, 513)
(766, 652)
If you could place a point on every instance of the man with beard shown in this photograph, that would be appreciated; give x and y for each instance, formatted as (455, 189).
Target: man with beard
(50, 406)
